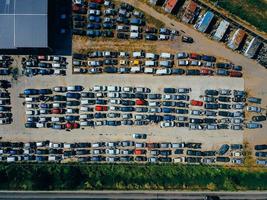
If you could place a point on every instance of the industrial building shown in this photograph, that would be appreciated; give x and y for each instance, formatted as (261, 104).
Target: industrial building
(253, 48)
(221, 30)
(205, 22)
(23, 24)
(237, 39)
(171, 6)
(191, 12)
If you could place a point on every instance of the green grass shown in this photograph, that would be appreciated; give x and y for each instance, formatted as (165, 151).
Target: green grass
(252, 11)
(127, 177)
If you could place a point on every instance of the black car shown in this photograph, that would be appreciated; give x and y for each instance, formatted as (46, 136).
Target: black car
(224, 106)
(164, 159)
(140, 158)
(196, 121)
(212, 92)
(178, 71)
(213, 106)
(59, 98)
(222, 159)
(187, 39)
(140, 96)
(122, 35)
(223, 149)
(208, 153)
(192, 72)
(193, 159)
(155, 118)
(224, 99)
(178, 151)
(169, 90)
(151, 37)
(210, 120)
(110, 70)
(261, 147)
(259, 118)
(225, 114)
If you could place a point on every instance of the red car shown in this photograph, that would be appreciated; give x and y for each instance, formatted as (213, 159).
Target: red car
(140, 102)
(101, 108)
(235, 74)
(139, 151)
(195, 56)
(206, 72)
(42, 57)
(57, 111)
(196, 103)
(97, 1)
(72, 125)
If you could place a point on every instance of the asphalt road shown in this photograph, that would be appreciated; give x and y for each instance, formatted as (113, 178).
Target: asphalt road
(14, 195)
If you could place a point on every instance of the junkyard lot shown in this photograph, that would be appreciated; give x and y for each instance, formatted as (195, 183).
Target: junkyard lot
(17, 132)
(254, 84)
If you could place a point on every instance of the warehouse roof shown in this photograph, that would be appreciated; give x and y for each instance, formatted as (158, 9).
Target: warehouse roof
(221, 30)
(237, 39)
(23, 24)
(189, 12)
(169, 5)
(252, 47)
(205, 21)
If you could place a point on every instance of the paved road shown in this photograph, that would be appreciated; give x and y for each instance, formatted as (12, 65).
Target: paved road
(129, 195)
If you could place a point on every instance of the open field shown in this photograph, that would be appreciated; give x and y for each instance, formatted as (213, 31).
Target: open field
(254, 12)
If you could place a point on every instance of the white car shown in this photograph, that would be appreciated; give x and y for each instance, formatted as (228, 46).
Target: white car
(167, 124)
(237, 154)
(98, 88)
(60, 89)
(115, 101)
(183, 62)
(112, 151)
(127, 89)
(114, 88)
(254, 109)
(113, 95)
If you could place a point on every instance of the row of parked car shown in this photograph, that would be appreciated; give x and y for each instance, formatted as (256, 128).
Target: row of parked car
(104, 19)
(44, 65)
(120, 151)
(149, 63)
(261, 154)
(5, 64)
(72, 107)
(5, 103)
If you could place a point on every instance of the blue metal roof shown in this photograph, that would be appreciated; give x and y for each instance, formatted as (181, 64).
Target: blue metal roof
(205, 21)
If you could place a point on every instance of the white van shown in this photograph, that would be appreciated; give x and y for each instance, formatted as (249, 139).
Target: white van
(137, 69)
(135, 29)
(149, 70)
(40, 125)
(179, 160)
(134, 35)
(151, 56)
(163, 71)
(138, 54)
(85, 109)
(153, 103)
(56, 65)
(150, 63)
(166, 55)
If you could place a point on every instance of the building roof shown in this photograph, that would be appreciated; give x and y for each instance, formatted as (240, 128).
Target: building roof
(23, 24)
(222, 28)
(205, 21)
(189, 12)
(169, 5)
(252, 47)
(237, 39)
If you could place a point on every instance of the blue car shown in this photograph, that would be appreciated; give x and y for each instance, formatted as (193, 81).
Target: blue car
(168, 110)
(46, 71)
(94, 5)
(108, 25)
(45, 105)
(93, 33)
(41, 158)
(137, 22)
(94, 19)
(71, 118)
(45, 91)
(101, 101)
(73, 95)
(5, 71)
(126, 109)
(31, 92)
(100, 115)
(168, 117)
(93, 26)
(169, 90)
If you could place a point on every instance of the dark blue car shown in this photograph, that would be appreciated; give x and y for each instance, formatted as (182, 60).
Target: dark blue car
(31, 92)
(93, 26)
(168, 110)
(126, 109)
(93, 33)
(94, 19)
(168, 117)
(73, 95)
(45, 91)
(71, 118)
(169, 90)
